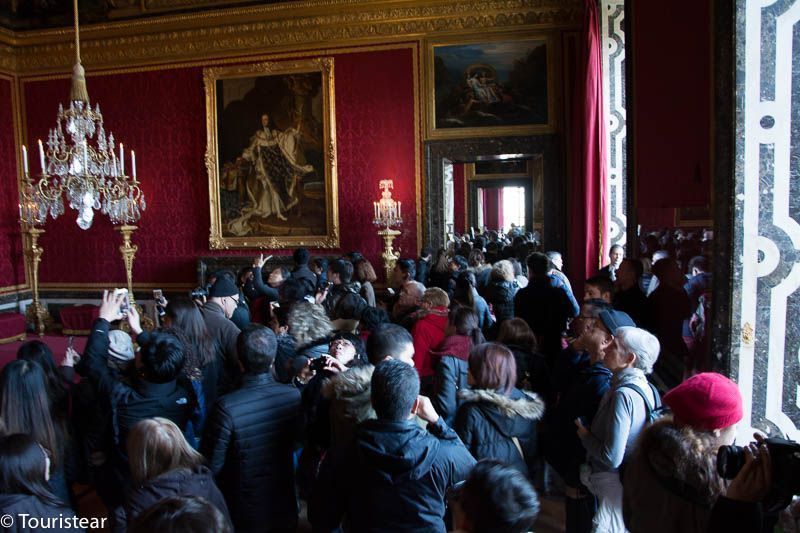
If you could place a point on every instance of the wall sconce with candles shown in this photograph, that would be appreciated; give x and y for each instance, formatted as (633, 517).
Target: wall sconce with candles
(388, 213)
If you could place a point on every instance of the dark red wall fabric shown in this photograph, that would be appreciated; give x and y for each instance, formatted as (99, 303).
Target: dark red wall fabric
(672, 103)
(162, 116)
(459, 205)
(12, 269)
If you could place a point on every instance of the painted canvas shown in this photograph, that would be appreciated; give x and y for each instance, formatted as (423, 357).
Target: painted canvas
(502, 85)
(271, 140)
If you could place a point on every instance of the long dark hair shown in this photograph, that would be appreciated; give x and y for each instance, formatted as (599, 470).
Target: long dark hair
(186, 317)
(40, 353)
(22, 468)
(465, 289)
(441, 264)
(25, 406)
(465, 322)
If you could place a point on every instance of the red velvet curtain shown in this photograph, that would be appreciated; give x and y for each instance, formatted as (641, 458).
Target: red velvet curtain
(589, 198)
(492, 208)
(459, 206)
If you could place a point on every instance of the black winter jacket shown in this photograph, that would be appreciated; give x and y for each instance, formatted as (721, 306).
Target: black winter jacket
(392, 478)
(139, 400)
(344, 301)
(450, 369)
(580, 398)
(546, 309)
(180, 482)
(16, 505)
(500, 294)
(225, 332)
(249, 441)
(307, 278)
(449, 379)
(488, 422)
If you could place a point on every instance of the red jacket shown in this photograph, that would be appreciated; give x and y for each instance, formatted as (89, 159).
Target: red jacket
(428, 333)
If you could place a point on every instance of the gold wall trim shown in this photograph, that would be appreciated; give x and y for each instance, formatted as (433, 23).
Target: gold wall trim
(95, 287)
(12, 288)
(294, 26)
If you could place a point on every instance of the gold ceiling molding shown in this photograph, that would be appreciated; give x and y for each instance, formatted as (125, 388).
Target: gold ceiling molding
(294, 26)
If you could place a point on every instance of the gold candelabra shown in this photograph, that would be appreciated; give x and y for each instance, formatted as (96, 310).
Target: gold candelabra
(388, 213)
(128, 251)
(35, 312)
(389, 256)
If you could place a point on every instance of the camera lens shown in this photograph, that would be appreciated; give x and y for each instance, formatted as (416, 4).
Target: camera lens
(730, 459)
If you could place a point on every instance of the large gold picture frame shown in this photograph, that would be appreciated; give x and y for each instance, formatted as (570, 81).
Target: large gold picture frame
(488, 58)
(271, 155)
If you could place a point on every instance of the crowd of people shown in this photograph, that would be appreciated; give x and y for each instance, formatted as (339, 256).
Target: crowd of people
(452, 401)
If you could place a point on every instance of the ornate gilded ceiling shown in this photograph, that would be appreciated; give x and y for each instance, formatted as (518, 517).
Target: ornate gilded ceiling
(217, 30)
(20, 15)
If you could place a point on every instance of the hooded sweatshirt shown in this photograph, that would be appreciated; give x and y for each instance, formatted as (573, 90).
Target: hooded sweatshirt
(392, 478)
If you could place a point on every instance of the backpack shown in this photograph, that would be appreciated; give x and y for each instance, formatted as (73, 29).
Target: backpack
(652, 412)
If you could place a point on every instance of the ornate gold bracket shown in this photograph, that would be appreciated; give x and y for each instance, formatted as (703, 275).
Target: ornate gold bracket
(35, 312)
(389, 256)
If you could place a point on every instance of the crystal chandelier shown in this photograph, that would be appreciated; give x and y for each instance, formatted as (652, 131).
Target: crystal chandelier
(80, 161)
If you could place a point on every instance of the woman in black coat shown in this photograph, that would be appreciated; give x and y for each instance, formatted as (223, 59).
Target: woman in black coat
(450, 358)
(24, 473)
(164, 465)
(496, 420)
(501, 291)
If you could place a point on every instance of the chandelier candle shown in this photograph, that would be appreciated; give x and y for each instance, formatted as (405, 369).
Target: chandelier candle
(25, 159)
(41, 157)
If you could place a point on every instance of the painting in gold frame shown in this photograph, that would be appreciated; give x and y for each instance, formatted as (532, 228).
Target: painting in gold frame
(271, 155)
(498, 86)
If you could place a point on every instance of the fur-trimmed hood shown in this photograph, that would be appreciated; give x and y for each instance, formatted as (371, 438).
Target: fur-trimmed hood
(349, 391)
(352, 382)
(528, 405)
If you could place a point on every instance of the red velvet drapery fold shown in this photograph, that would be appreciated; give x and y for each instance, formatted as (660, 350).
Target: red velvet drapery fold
(589, 198)
(459, 205)
(493, 208)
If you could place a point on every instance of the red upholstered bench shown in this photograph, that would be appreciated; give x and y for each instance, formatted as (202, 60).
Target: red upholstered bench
(77, 319)
(12, 327)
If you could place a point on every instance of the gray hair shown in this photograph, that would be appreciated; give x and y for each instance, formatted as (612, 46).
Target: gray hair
(641, 343)
(415, 287)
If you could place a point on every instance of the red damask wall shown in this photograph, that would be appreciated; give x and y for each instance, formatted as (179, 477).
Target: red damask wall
(161, 115)
(12, 270)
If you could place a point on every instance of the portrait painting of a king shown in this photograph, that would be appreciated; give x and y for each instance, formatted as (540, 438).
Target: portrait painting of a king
(274, 177)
